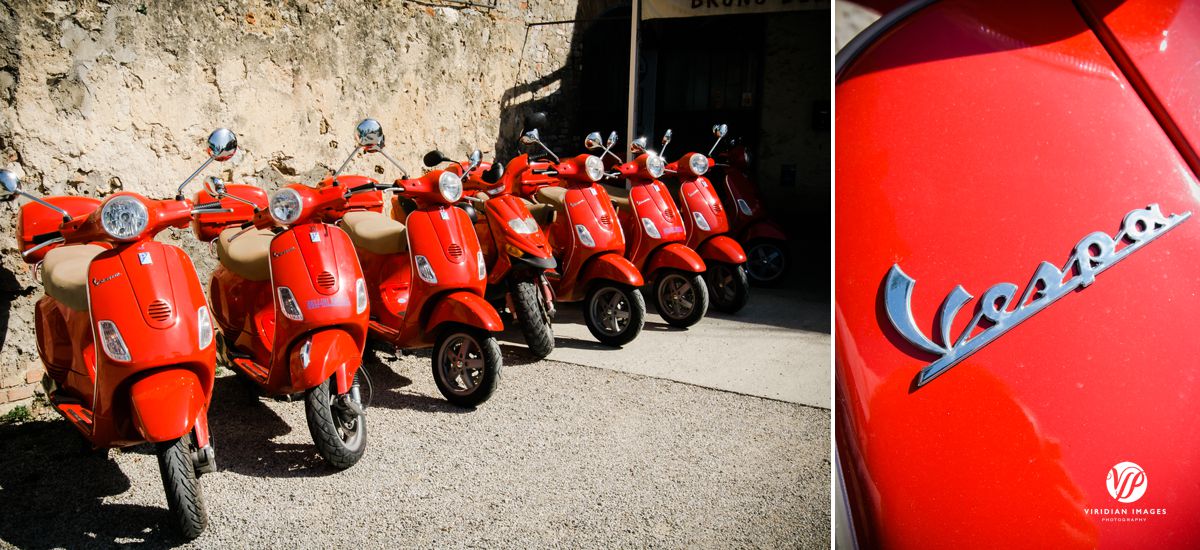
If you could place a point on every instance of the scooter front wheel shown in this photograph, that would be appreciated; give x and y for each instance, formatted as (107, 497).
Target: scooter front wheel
(466, 365)
(184, 497)
(532, 317)
(614, 314)
(767, 262)
(339, 432)
(681, 298)
(728, 287)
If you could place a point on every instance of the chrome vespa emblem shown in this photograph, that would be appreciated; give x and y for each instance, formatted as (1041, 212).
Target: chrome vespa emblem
(996, 312)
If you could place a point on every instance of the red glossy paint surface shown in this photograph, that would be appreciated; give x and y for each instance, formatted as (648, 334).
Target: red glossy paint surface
(975, 141)
(34, 219)
(1162, 41)
(207, 227)
(498, 235)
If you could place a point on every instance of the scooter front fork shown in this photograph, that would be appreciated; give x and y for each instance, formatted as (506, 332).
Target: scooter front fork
(204, 457)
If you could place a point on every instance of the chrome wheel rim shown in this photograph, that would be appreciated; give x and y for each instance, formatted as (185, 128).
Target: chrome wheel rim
(460, 364)
(766, 262)
(610, 309)
(676, 296)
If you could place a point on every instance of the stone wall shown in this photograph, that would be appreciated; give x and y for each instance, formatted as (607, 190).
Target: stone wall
(97, 97)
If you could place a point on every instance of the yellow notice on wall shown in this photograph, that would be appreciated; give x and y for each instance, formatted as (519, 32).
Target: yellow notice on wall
(664, 9)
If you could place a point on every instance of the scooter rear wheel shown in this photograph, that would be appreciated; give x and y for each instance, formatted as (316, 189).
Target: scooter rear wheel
(466, 365)
(532, 317)
(339, 434)
(614, 314)
(728, 287)
(184, 498)
(681, 298)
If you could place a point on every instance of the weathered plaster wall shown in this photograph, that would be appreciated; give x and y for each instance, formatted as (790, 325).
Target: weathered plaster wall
(101, 96)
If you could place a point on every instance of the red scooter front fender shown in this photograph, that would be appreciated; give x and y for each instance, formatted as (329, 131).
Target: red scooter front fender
(324, 354)
(166, 403)
(613, 267)
(674, 256)
(764, 229)
(722, 249)
(465, 308)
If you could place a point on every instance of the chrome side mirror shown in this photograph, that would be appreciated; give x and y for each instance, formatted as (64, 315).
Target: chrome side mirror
(612, 139)
(719, 130)
(473, 161)
(592, 141)
(369, 134)
(222, 144)
(638, 146)
(10, 184)
(531, 137)
(665, 140)
(214, 186)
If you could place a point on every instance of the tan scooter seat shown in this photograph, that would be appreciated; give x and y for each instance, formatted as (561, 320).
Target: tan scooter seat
(552, 196)
(543, 214)
(375, 233)
(248, 255)
(65, 274)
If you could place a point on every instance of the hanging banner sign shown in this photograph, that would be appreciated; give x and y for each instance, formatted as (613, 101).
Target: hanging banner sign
(664, 9)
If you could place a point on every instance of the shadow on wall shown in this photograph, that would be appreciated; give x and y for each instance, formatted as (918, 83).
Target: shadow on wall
(560, 92)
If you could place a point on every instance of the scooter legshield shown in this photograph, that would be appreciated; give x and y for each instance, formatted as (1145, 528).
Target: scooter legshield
(328, 352)
(675, 256)
(613, 267)
(722, 249)
(464, 308)
(166, 404)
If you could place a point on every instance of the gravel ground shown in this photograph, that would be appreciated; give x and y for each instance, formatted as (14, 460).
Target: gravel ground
(562, 455)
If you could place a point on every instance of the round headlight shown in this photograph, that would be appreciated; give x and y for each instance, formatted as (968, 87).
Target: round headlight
(594, 167)
(124, 217)
(698, 163)
(286, 206)
(655, 165)
(450, 186)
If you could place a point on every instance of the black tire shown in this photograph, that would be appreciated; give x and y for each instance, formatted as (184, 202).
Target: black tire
(600, 313)
(460, 383)
(767, 262)
(728, 287)
(339, 434)
(532, 317)
(184, 498)
(681, 297)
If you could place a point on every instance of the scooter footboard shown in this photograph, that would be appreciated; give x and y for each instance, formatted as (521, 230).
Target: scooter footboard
(722, 249)
(675, 256)
(166, 403)
(464, 308)
(322, 354)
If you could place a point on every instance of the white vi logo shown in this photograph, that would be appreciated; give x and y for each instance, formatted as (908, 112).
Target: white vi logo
(997, 312)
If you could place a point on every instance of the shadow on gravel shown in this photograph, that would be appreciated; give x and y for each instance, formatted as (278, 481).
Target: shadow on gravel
(387, 386)
(51, 488)
(243, 428)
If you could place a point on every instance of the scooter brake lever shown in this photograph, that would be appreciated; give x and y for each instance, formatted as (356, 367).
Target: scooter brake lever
(44, 244)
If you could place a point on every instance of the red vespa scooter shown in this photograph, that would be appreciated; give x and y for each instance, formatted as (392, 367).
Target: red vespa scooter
(656, 233)
(426, 277)
(707, 225)
(586, 238)
(290, 300)
(517, 252)
(765, 242)
(110, 285)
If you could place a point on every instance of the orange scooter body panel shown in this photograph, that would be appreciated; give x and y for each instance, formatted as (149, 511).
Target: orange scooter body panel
(34, 219)
(587, 206)
(465, 308)
(150, 291)
(673, 256)
(721, 248)
(333, 352)
(613, 267)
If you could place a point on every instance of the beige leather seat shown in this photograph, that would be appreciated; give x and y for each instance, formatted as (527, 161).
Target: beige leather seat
(65, 274)
(248, 255)
(375, 233)
(553, 196)
(543, 214)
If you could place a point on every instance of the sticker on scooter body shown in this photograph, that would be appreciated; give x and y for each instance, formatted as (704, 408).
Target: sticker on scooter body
(1091, 256)
(144, 258)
